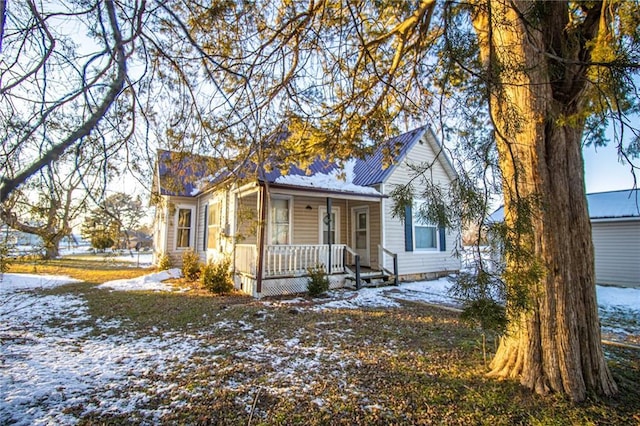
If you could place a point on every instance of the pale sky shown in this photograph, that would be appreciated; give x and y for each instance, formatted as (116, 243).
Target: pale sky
(603, 171)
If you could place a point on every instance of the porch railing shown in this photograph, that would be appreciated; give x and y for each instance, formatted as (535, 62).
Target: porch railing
(297, 259)
(382, 252)
(246, 258)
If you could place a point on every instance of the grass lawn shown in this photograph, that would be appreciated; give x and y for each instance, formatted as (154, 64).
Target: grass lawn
(273, 362)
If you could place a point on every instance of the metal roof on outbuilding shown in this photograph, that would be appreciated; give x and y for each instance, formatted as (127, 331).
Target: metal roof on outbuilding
(614, 204)
(602, 205)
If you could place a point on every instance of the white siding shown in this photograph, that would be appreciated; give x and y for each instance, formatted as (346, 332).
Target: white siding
(417, 262)
(306, 222)
(617, 252)
(169, 225)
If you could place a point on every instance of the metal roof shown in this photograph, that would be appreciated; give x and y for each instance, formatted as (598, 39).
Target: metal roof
(614, 204)
(602, 205)
(369, 171)
(185, 174)
(372, 170)
(318, 166)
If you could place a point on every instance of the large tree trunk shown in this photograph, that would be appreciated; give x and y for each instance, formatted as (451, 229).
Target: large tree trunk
(554, 345)
(51, 245)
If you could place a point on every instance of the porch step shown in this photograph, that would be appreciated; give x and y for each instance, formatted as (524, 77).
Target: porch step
(373, 280)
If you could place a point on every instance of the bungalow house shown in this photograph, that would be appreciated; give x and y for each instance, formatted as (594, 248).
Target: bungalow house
(276, 226)
(615, 229)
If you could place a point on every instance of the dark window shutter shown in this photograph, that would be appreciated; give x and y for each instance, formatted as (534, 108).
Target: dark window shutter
(408, 229)
(443, 239)
(206, 227)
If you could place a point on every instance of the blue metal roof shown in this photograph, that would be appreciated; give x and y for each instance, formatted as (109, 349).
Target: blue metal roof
(318, 166)
(185, 174)
(614, 204)
(368, 171)
(182, 174)
(372, 170)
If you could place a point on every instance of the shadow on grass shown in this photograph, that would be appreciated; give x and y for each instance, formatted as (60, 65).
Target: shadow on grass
(283, 364)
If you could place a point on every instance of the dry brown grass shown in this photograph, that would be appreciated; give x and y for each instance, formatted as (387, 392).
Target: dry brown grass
(281, 363)
(91, 271)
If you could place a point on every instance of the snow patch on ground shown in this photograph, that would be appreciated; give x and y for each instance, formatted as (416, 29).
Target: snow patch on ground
(627, 298)
(13, 282)
(58, 364)
(150, 282)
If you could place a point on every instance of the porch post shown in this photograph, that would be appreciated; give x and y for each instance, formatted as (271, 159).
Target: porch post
(262, 209)
(329, 202)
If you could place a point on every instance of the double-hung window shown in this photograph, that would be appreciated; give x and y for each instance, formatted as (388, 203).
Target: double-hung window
(213, 226)
(425, 235)
(280, 221)
(184, 227)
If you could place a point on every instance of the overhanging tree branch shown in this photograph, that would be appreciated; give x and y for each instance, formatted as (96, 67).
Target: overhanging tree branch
(116, 86)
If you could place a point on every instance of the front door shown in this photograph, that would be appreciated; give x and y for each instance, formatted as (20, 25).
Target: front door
(361, 234)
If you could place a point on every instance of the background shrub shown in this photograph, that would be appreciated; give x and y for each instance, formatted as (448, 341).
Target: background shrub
(4, 258)
(190, 265)
(318, 281)
(164, 262)
(216, 277)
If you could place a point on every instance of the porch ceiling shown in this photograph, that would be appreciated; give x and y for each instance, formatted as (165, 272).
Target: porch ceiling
(324, 193)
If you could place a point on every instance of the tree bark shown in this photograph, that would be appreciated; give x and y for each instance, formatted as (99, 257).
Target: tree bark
(554, 345)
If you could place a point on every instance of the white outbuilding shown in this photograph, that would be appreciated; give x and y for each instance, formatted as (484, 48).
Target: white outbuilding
(615, 226)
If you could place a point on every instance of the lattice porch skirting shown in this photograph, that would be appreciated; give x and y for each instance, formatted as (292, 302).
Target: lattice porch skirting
(283, 285)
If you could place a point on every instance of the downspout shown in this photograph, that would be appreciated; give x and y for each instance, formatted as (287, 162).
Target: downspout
(383, 234)
(261, 231)
(329, 205)
(233, 231)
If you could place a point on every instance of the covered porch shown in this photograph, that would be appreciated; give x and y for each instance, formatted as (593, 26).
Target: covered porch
(292, 233)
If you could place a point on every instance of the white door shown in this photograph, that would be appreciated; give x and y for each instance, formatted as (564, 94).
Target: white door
(361, 234)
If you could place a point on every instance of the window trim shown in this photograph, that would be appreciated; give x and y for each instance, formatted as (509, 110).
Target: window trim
(289, 199)
(210, 208)
(191, 227)
(415, 219)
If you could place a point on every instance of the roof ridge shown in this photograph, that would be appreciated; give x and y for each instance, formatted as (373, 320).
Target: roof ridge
(613, 190)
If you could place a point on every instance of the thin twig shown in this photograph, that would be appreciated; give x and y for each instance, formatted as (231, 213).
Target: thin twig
(253, 407)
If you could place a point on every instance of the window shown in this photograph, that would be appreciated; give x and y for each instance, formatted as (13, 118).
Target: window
(362, 242)
(183, 229)
(324, 227)
(280, 223)
(424, 232)
(213, 226)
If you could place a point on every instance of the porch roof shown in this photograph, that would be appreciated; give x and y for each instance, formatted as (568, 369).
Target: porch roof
(324, 192)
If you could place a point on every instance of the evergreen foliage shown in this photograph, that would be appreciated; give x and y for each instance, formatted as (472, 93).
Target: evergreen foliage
(101, 241)
(318, 283)
(5, 260)
(216, 277)
(190, 265)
